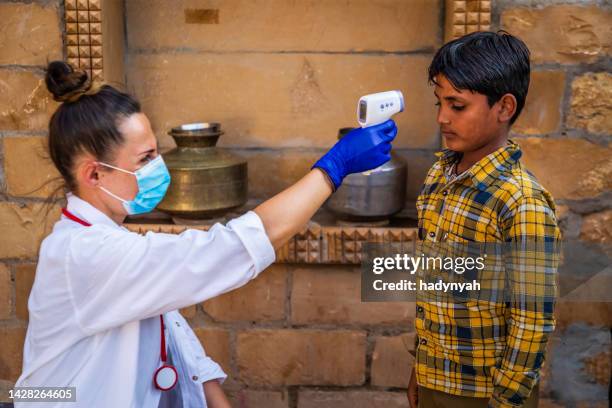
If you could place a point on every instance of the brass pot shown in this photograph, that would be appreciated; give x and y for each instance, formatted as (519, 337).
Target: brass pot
(206, 181)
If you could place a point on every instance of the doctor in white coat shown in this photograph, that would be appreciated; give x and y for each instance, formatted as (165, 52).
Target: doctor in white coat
(103, 307)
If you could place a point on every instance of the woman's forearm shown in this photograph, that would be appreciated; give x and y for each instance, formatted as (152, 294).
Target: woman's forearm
(361, 149)
(288, 212)
(215, 397)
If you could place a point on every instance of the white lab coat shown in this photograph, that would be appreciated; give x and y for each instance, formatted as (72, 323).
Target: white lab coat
(98, 293)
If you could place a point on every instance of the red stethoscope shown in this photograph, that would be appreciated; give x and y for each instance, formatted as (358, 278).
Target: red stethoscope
(166, 376)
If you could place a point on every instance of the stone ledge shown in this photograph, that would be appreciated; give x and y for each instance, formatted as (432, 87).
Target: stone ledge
(316, 244)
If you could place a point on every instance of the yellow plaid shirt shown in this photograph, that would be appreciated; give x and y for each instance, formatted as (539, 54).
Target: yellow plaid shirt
(494, 351)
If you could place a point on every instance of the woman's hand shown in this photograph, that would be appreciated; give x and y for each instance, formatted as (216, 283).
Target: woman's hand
(288, 212)
(413, 390)
(359, 150)
(215, 397)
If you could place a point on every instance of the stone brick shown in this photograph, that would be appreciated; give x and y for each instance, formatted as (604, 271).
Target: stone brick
(597, 227)
(569, 222)
(542, 111)
(301, 357)
(28, 168)
(260, 300)
(593, 404)
(351, 399)
(284, 100)
(271, 171)
(392, 362)
(549, 403)
(579, 358)
(23, 228)
(189, 311)
(24, 279)
(284, 26)
(591, 313)
(216, 343)
(11, 352)
(257, 399)
(597, 367)
(333, 296)
(590, 108)
(548, 159)
(545, 377)
(25, 104)
(567, 34)
(5, 387)
(5, 292)
(30, 34)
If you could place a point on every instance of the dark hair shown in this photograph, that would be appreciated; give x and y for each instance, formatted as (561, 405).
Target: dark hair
(86, 121)
(492, 64)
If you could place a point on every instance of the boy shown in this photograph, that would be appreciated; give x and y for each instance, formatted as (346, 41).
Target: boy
(478, 191)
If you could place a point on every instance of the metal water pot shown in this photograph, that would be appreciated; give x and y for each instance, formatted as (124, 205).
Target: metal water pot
(375, 195)
(207, 181)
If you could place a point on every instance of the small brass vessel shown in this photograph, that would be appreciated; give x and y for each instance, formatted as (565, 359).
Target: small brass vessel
(207, 181)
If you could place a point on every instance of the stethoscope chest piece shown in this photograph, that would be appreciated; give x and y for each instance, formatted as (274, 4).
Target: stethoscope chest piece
(165, 377)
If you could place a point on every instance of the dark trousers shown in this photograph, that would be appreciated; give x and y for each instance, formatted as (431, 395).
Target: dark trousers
(429, 398)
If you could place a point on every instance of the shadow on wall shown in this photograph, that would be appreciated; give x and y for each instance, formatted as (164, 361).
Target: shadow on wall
(579, 365)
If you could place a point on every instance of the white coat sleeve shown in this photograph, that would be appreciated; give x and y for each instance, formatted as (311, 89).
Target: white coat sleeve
(116, 276)
(206, 367)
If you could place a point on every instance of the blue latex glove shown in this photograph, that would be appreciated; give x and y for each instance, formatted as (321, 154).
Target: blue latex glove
(359, 150)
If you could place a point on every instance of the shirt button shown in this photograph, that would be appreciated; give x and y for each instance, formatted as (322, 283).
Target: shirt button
(432, 234)
(178, 324)
(445, 192)
(420, 309)
(423, 341)
(194, 378)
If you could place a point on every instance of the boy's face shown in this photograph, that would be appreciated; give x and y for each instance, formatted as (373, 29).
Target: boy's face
(466, 121)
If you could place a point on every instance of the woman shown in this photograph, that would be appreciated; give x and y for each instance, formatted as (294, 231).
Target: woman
(103, 307)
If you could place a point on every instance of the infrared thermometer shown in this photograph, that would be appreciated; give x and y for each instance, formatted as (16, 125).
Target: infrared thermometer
(377, 108)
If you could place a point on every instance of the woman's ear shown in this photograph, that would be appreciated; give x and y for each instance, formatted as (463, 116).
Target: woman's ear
(507, 107)
(87, 173)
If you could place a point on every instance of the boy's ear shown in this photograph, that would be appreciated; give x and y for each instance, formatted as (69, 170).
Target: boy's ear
(507, 107)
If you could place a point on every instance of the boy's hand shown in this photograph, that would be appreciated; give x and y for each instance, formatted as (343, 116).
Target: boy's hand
(413, 390)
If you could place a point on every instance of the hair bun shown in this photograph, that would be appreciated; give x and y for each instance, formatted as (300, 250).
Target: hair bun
(65, 82)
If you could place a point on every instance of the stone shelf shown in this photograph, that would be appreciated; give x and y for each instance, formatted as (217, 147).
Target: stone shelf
(325, 240)
(316, 244)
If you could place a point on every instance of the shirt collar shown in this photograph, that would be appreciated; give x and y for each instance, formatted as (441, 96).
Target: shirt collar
(489, 168)
(88, 212)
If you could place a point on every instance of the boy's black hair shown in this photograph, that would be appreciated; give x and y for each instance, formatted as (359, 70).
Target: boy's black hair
(492, 64)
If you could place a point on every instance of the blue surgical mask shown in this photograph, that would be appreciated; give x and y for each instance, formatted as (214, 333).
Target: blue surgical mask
(153, 180)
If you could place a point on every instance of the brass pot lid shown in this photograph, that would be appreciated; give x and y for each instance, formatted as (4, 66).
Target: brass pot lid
(197, 127)
(197, 135)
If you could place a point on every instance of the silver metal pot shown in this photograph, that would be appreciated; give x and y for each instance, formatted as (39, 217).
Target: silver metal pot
(371, 196)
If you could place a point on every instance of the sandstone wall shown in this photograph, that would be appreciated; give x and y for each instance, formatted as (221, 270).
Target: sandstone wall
(282, 77)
